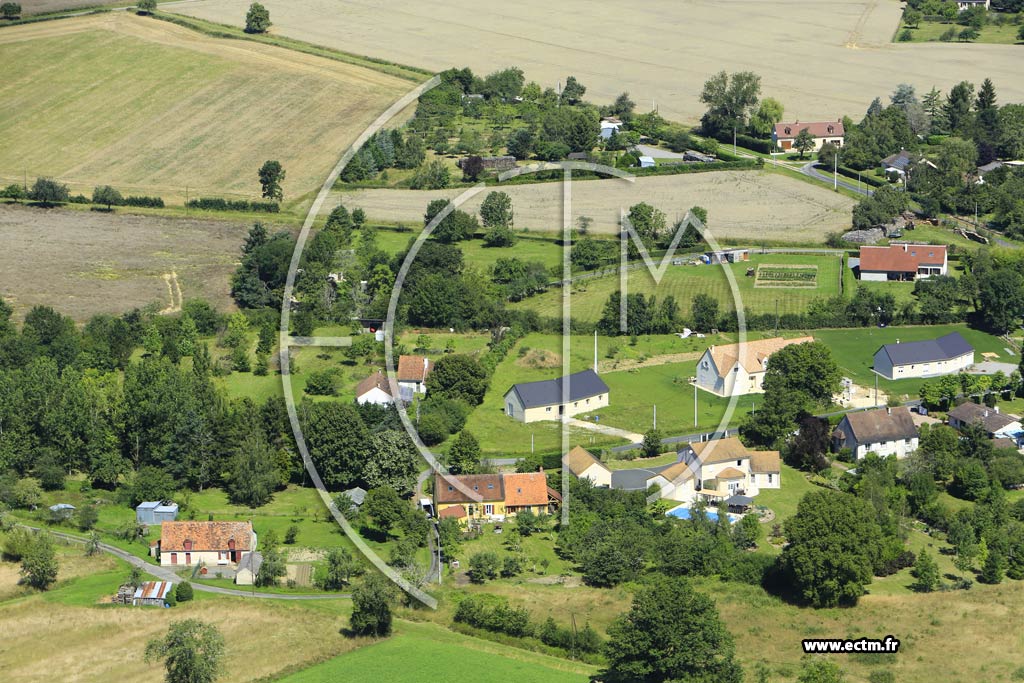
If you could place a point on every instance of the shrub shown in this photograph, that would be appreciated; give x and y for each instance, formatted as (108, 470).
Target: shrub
(10, 10)
(483, 566)
(183, 592)
(291, 534)
(323, 382)
(146, 202)
(221, 204)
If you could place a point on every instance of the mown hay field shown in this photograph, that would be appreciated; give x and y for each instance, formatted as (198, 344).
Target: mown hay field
(152, 108)
(820, 59)
(742, 205)
(86, 262)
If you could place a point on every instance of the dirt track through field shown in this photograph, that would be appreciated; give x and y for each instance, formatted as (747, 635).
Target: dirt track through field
(820, 59)
(740, 204)
(170, 108)
(85, 262)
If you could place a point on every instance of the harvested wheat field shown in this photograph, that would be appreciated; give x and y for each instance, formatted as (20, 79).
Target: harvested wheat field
(30, 7)
(88, 262)
(166, 107)
(741, 204)
(820, 59)
(263, 639)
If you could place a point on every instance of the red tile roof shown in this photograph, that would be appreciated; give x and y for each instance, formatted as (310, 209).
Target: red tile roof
(413, 368)
(901, 258)
(378, 380)
(205, 536)
(526, 488)
(487, 486)
(819, 129)
(455, 512)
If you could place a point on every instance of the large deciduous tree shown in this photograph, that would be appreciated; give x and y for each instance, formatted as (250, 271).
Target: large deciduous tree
(834, 545)
(671, 633)
(730, 100)
(271, 175)
(192, 652)
(257, 19)
(459, 377)
(371, 607)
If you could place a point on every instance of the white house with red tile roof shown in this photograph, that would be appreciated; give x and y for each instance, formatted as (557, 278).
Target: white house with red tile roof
(784, 134)
(903, 262)
(412, 373)
(188, 543)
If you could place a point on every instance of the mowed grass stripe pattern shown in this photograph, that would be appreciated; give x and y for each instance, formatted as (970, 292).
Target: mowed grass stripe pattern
(151, 107)
(685, 282)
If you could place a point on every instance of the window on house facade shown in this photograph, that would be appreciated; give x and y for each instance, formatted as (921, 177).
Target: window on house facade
(769, 478)
(488, 509)
(548, 409)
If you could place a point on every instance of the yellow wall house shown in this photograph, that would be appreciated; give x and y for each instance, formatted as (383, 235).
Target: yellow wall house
(492, 497)
(552, 399)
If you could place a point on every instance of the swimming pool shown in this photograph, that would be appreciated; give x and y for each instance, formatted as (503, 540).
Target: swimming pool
(683, 512)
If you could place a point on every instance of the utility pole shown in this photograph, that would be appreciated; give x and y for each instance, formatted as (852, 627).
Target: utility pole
(776, 318)
(835, 171)
(695, 403)
(655, 415)
(734, 139)
(876, 391)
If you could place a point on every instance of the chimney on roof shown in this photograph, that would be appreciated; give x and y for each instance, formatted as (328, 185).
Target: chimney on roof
(888, 410)
(985, 414)
(904, 248)
(426, 362)
(996, 408)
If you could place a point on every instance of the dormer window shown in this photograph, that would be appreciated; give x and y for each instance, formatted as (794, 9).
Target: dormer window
(831, 129)
(788, 130)
(188, 544)
(490, 486)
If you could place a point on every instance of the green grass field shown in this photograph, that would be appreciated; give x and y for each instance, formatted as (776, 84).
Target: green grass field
(528, 247)
(929, 31)
(654, 371)
(685, 282)
(427, 652)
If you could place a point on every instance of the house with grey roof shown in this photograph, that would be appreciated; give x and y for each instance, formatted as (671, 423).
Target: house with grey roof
(929, 358)
(997, 425)
(553, 399)
(883, 431)
(248, 568)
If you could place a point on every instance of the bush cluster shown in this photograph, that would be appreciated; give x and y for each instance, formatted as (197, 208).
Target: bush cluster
(221, 204)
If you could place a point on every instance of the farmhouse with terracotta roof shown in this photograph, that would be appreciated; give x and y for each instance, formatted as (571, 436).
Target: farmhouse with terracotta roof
(903, 262)
(214, 544)
(412, 373)
(738, 369)
(784, 134)
(493, 497)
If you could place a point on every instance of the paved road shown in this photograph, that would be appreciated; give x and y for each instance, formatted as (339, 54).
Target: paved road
(810, 169)
(164, 574)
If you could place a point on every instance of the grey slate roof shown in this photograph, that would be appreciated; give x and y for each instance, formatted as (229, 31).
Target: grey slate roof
(548, 392)
(947, 347)
(356, 494)
(900, 160)
(251, 561)
(974, 413)
(635, 479)
(878, 426)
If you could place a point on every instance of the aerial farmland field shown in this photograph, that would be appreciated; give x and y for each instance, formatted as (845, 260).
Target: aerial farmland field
(83, 263)
(153, 108)
(820, 59)
(740, 204)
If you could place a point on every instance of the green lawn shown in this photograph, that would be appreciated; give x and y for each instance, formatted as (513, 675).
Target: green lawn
(854, 350)
(783, 500)
(929, 31)
(684, 282)
(428, 652)
(528, 247)
(634, 391)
